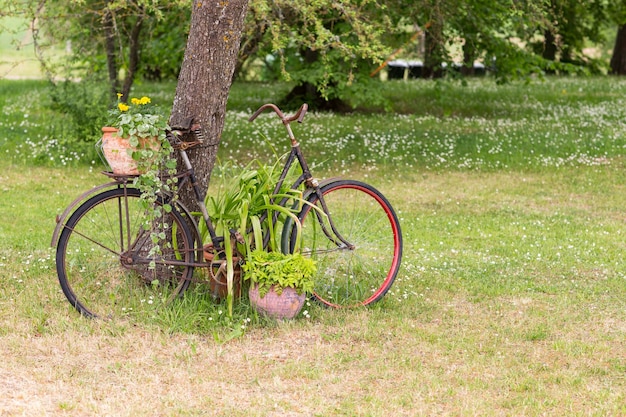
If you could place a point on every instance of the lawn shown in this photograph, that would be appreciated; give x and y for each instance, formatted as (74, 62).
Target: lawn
(510, 300)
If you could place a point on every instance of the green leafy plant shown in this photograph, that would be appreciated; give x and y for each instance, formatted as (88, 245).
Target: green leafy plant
(145, 128)
(267, 269)
(83, 109)
(137, 120)
(249, 205)
(238, 206)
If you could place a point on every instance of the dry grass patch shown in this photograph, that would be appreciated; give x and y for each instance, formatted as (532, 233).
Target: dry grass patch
(510, 302)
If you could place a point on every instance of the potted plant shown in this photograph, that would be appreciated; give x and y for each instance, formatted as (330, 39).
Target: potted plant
(246, 203)
(279, 282)
(135, 144)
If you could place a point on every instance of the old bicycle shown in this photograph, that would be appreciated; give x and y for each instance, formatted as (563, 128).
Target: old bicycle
(101, 238)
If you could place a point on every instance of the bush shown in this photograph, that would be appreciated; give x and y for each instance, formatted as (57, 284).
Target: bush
(85, 105)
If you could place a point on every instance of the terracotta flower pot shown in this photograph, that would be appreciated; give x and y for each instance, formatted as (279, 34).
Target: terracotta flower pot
(217, 276)
(287, 305)
(118, 151)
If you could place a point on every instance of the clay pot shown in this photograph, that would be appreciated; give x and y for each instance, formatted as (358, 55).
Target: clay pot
(217, 276)
(287, 305)
(118, 151)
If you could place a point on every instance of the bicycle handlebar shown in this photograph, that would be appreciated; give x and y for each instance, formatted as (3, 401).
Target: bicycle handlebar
(298, 116)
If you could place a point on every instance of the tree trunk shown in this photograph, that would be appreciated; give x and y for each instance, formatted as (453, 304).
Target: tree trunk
(109, 44)
(205, 79)
(469, 55)
(434, 51)
(618, 60)
(133, 56)
(549, 45)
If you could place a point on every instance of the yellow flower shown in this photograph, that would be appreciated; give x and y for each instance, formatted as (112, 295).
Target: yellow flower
(123, 107)
(135, 101)
(144, 100)
(119, 95)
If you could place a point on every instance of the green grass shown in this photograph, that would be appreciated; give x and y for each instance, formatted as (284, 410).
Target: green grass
(484, 127)
(510, 301)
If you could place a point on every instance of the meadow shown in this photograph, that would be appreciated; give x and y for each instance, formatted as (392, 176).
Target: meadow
(510, 300)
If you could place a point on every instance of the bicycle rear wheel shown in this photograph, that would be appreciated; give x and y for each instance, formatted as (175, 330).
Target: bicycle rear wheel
(103, 262)
(362, 272)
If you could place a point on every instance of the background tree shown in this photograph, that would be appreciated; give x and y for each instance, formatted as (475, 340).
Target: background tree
(435, 53)
(112, 34)
(498, 32)
(478, 29)
(105, 43)
(616, 14)
(567, 27)
(327, 48)
(324, 47)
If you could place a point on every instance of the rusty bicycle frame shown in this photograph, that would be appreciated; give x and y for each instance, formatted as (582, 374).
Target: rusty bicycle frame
(175, 136)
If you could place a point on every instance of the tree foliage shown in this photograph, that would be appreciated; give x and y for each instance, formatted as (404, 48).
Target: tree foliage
(326, 44)
(492, 31)
(329, 47)
(116, 39)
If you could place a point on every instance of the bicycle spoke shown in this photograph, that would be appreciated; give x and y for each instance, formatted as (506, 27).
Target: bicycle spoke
(363, 272)
(102, 259)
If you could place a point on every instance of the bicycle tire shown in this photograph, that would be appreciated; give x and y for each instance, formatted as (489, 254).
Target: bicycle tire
(102, 261)
(350, 277)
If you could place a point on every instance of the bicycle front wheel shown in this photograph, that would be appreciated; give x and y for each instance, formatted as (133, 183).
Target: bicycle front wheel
(357, 247)
(103, 257)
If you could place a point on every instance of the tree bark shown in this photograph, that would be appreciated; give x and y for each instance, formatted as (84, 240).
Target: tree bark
(205, 79)
(549, 45)
(618, 60)
(434, 51)
(469, 55)
(133, 57)
(109, 44)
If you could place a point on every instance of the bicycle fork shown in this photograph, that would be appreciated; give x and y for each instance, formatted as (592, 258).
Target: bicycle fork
(313, 185)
